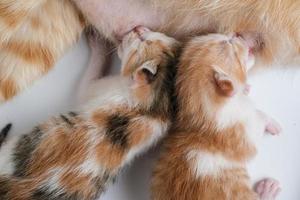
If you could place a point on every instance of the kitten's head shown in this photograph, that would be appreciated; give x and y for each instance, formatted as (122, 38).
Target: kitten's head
(148, 58)
(212, 70)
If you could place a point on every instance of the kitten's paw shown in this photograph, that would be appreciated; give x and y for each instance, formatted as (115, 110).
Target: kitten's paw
(267, 189)
(273, 127)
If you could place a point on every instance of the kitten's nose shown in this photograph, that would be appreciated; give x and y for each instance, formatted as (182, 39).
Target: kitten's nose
(140, 30)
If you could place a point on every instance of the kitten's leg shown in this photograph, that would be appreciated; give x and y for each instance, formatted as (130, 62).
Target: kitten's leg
(267, 189)
(100, 55)
(271, 125)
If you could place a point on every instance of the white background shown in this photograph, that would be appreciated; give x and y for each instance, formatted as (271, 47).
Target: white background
(276, 92)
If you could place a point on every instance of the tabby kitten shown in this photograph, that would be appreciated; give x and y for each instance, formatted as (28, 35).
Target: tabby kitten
(216, 129)
(77, 155)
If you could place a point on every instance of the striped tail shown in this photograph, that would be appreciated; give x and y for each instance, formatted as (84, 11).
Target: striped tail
(12, 188)
(34, 34)
(21, 188)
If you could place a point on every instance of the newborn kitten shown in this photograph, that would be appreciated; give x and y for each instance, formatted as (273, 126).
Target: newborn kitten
(216, 129)
(77, 155)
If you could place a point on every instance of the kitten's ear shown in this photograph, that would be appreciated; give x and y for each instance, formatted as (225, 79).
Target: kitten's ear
(145, 74)
(224, 84)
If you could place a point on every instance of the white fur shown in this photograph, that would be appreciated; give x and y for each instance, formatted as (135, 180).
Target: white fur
(6, 153)
(52, 183)
(240, 109)
(159, 130)
(102, 94)
(108, 91)
(160, 37)
(208, 164)
(90, 166)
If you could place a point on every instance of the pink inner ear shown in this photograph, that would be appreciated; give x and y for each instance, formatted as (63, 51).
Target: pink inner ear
(226, 86)
(139, 78)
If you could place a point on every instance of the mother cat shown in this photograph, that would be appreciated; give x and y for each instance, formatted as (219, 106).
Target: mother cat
(35, 33)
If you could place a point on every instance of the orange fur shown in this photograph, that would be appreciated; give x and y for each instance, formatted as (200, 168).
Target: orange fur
(55, 25)
(75, 185)
(276, 23)
(77, 155)
(8, 89)
(65, 150)
(33, 36)
(110, 156)
(31, 53)
(203, 159)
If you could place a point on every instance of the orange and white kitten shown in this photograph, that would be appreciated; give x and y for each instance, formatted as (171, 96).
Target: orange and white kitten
(35, 33)
(77, 155)
(216, 128)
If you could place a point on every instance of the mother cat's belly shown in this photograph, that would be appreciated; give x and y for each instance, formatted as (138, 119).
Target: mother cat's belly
(115, 18)
(182, 19)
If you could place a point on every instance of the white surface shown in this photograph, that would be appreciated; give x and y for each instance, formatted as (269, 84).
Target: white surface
(276, 92)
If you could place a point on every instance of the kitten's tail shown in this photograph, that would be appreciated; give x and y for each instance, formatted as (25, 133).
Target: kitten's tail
(33, 35)
(4, 133)
(12, 188)
(4, 187)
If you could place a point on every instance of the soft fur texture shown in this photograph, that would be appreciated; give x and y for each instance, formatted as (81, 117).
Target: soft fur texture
(76, 155)
(53, 25)
(33, 35)
(273, 24)
(216, 128)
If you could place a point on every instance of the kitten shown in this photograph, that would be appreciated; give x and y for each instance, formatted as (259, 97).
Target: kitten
(53, 25)
(77, 155)
(216, 128)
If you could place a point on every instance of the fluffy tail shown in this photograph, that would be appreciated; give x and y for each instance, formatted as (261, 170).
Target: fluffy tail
(22, 188)
(4, 187)
(14, 189)
(33, 35)
(4, 133)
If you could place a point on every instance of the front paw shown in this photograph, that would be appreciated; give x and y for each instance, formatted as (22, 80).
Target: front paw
(273, 127)
(268, 189)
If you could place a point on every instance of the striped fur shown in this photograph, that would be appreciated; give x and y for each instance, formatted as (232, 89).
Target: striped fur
(77, 155)
(33, 35)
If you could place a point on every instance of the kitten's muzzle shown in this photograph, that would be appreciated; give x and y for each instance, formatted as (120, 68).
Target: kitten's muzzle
(141, 31)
